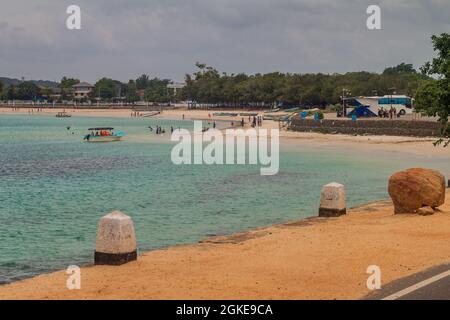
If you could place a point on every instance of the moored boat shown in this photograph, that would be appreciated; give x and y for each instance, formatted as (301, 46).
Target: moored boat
(63, 115)
(103, 134)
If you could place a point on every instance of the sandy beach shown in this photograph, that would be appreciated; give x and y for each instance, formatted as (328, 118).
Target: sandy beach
(413, 145)
(215, 158)
(316, 258)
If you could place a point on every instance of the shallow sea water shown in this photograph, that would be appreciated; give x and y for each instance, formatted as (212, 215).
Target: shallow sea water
(54, 188)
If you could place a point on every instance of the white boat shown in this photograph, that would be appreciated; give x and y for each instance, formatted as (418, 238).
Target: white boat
(103, 134)
(63, 115)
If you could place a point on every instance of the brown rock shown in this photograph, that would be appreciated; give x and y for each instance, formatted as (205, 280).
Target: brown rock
(425, 211)
(415, 188)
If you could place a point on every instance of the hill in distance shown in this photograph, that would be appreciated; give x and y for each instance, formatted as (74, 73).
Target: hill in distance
(41, 83)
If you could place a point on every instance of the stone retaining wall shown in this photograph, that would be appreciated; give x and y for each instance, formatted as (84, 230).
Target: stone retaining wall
(413, 128)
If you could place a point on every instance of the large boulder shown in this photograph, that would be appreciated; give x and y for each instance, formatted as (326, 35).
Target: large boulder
(415, 188)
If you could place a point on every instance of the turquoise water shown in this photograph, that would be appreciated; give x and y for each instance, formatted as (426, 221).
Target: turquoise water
(54, 189)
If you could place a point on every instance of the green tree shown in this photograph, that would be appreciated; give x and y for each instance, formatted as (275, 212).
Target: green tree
(433, 96)
(130, 91)
(67, 83)
(66, 87)
(401, 68)
(11, 93)
(142, 82)
(105, 88)
(157, 91)
(27, 90)
(208, 86)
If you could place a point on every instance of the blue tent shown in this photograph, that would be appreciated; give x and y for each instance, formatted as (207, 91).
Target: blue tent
(362, 111)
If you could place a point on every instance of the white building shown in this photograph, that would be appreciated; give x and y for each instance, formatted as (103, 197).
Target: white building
(82, 90)
(176, 86)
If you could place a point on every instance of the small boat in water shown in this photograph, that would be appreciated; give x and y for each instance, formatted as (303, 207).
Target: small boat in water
(103, 134)
(63, 115)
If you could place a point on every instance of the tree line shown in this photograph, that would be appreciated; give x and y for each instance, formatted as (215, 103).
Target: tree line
(209, 86)
(105, 89)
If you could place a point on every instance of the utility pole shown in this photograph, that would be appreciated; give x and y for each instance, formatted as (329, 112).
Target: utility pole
(344, 111)
(345, 92)
(98, 97)
(392, 93)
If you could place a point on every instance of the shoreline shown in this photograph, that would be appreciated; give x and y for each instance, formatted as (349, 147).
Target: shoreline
(291, 260)
(194, 114)
(313, 258)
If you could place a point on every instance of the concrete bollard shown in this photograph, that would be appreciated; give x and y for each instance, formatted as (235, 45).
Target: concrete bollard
(332, 200)
(116, 240)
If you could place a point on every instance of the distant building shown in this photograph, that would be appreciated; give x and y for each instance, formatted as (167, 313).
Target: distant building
(50, 93)
(176, 86)
(55, 93)
(141, 94)
(82, 90)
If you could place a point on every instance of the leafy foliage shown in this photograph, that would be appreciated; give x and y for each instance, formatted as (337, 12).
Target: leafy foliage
(106, 89)
(401, 68)
(67, 83)
(156, 91)
(433, 97)
(66, 86)
(209, 86)
(27, 90)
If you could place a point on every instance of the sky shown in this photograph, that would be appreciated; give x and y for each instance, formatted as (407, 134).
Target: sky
(122, 39)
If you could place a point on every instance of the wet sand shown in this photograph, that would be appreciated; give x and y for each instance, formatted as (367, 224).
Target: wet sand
(316, 258)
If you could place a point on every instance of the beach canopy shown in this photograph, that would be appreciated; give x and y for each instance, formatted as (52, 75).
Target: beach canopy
(101, 128)
(362, 111)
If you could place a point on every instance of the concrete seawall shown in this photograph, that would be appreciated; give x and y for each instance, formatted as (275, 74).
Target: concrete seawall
(388, 127)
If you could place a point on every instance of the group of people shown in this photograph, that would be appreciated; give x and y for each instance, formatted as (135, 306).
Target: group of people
(257, 121)
(242, 122)
(384, 113)
(102, 133)
(31, 111)
(159, 130)
(254, 121)
(135, 114)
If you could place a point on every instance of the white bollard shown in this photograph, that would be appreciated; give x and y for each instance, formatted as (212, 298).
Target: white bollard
(332, 200)
(116, 240)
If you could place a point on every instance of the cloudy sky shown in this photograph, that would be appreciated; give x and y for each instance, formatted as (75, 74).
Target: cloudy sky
(124, 38)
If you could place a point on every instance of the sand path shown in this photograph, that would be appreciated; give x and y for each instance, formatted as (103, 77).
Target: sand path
(311, 259)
